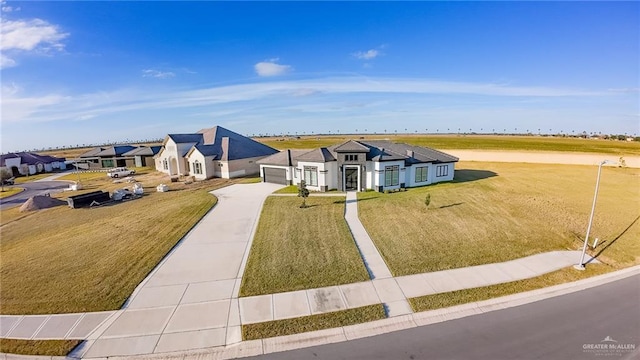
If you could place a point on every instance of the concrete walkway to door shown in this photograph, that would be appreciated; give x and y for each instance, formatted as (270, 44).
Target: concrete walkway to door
(190, 300)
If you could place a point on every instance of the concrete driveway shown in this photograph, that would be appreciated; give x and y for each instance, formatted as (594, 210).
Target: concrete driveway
(32, 189)
(190, 300)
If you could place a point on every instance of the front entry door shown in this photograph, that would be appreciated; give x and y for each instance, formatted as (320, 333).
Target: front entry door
(351, 179)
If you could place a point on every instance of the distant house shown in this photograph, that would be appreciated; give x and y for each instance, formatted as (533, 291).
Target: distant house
(28, 163)
(359, 166)
(107, 157)
(214, 152)
(143, 155)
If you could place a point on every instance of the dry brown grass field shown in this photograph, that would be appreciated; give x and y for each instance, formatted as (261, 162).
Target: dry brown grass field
(494, 212)
(73, 260)
(471, 142)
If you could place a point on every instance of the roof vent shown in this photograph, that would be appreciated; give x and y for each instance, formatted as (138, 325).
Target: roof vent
(410, 153)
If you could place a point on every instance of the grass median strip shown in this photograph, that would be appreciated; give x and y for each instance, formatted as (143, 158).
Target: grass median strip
(495, 212)
(37, 347)
(296, 248)
(443, 300)
(313, 322)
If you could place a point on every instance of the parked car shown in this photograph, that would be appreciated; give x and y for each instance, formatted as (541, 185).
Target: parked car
(120, 172)
(9, 181)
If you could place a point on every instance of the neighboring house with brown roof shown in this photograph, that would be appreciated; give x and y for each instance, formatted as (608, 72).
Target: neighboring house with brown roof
(28, 163)
(359, 165)
(214, 152)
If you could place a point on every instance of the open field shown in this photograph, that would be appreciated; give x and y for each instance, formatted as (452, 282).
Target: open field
(471, 142)
(37, 347)
(63, 260)
(313, 322)
(296, 249)
(443, 300)
(494, 212)
(9, 191)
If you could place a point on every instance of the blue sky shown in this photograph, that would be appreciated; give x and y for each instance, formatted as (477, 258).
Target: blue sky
(90, 72)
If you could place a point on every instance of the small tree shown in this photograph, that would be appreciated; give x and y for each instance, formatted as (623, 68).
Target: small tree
(303, 192)
(427, 200)
(4, 175)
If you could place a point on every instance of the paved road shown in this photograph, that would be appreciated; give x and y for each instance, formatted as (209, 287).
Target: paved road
(556, 328)
(32, 189)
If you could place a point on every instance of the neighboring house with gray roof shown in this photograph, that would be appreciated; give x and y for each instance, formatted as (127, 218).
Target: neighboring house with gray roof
(143, 155)
(28, 163)
(214, 152)
(359, 165)
(106, 157)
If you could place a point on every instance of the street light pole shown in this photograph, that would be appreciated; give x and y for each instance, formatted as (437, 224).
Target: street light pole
(580, 265)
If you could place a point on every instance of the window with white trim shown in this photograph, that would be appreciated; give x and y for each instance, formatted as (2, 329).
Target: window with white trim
(165, 164)
(311, 175)
(391, 175)
(422, 173)
(197, 167)
(353, 157)
(442, 170)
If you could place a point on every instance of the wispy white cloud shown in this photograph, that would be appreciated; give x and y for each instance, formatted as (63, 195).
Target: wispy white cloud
(271, 68)
(367, 55)
(18, 107)
(33, 35)
(157, 74)
(7, 8)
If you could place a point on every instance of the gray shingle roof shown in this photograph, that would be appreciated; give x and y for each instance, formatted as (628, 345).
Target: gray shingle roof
(412, 154)
(115, 150)
(186, 138)
(239, 146)
(29, 158)
(91, 153)
(350, 146)
(318, 155)
(143, 151)
(283, 158)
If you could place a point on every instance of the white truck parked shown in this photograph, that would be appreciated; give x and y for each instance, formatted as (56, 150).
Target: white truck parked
(120, 172)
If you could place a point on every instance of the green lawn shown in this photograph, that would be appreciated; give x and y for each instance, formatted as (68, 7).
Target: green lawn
(479, 142)
(297, 248)
(495, 212)
(313, 322)
(63, 260)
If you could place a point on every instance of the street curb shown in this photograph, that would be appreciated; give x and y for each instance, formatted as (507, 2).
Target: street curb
(378, 327)
(346, 333)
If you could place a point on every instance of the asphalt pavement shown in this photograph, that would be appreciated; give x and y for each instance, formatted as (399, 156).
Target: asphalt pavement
(603, 321)
(32, 189)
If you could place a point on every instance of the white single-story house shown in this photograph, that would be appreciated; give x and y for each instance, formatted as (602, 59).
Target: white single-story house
(28, 163)
(214, 152)
(359, 165)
